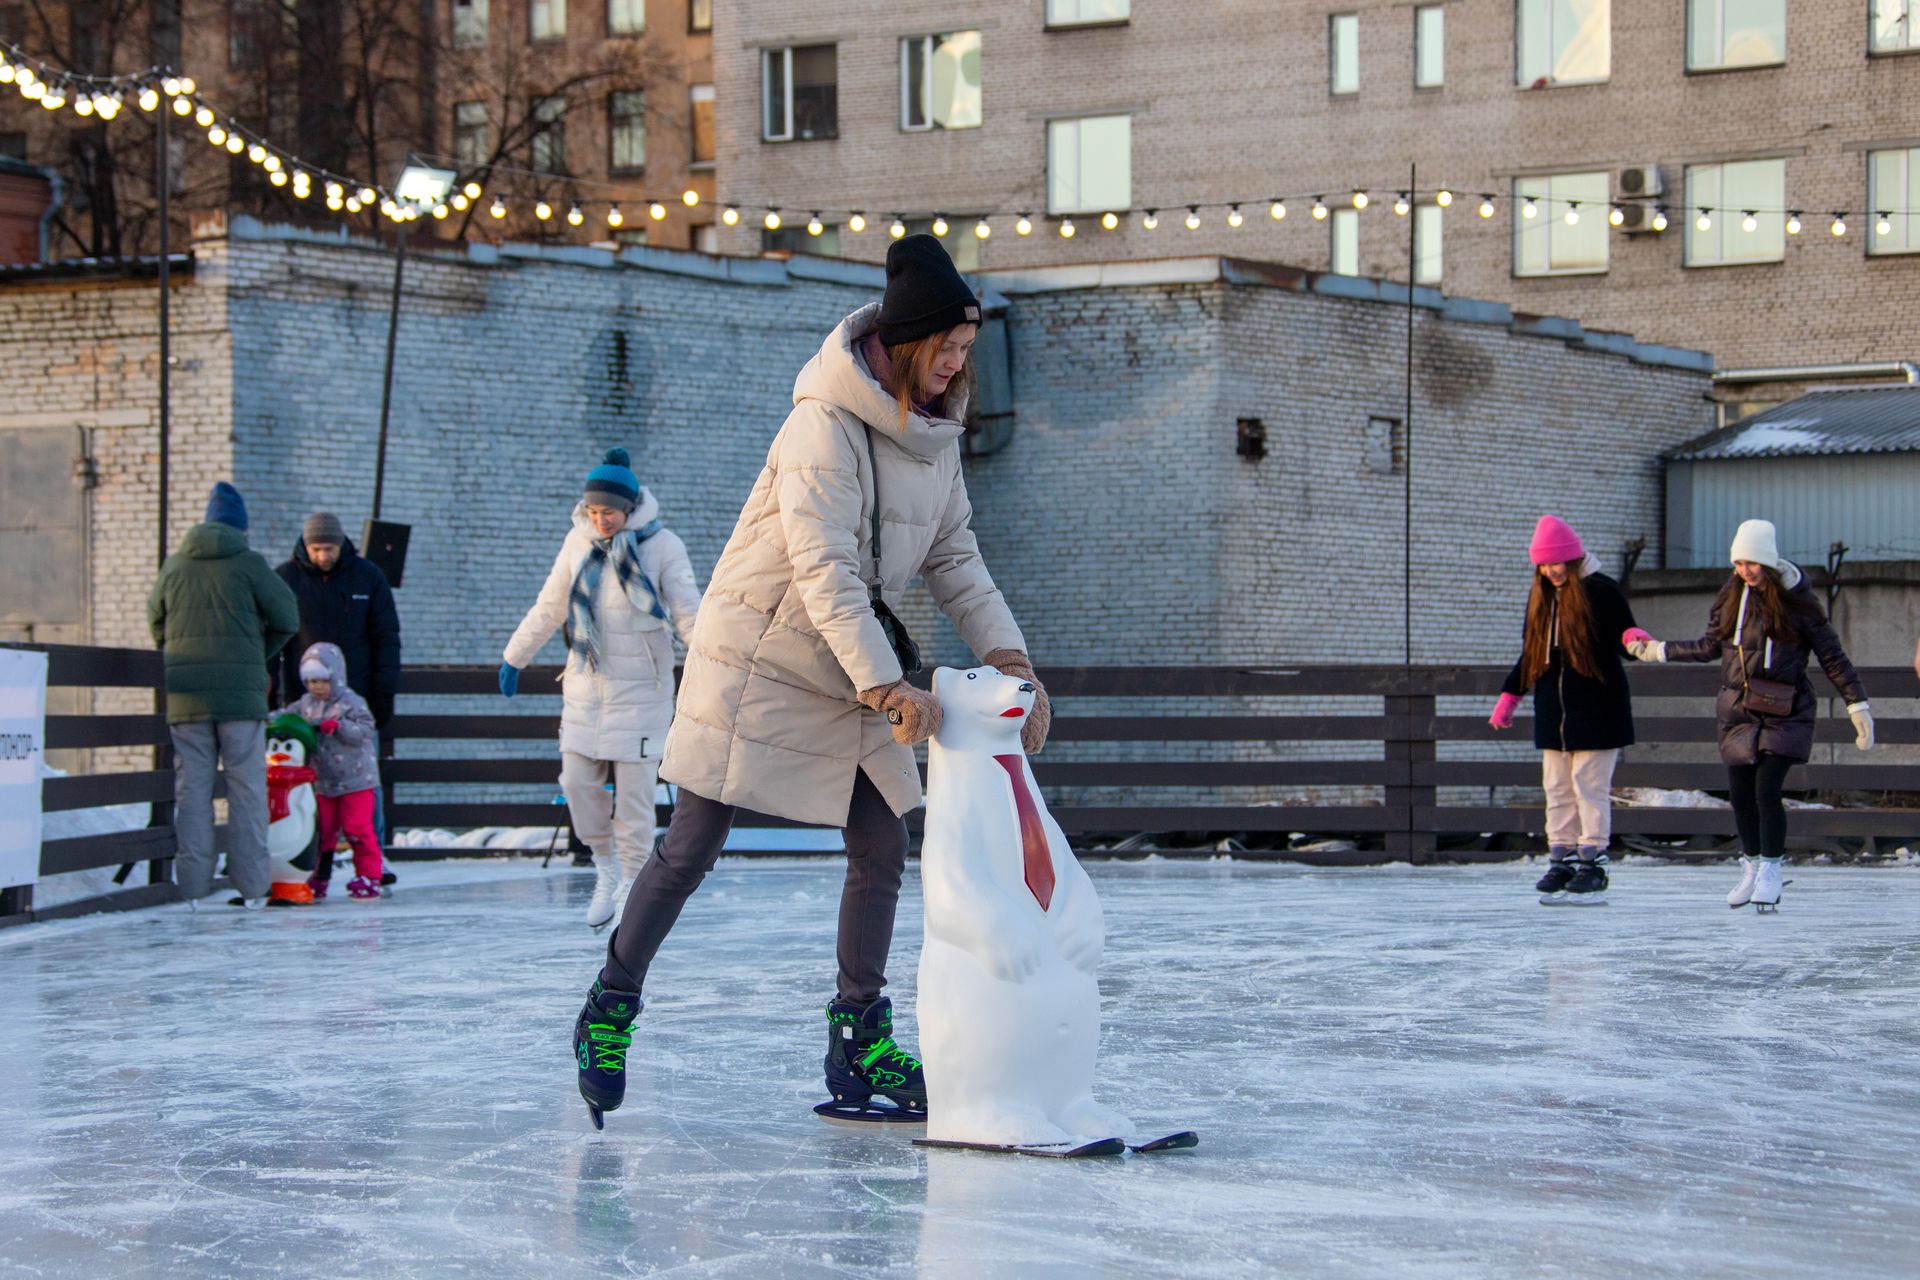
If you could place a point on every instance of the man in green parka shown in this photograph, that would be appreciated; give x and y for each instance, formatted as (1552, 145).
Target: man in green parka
(219, 613)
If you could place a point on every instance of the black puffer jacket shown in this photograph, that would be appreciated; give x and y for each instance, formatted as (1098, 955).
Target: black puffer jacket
(351, 606)
(1572, 712)
(1744, 736)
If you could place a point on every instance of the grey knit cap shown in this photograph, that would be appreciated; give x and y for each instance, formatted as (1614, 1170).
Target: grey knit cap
(322, 529)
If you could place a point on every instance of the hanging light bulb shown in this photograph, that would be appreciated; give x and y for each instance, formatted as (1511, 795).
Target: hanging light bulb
(1109, 220)
(1659, 217)
(898, 229)
(149, 100)
(772, 220)
(575, 217)
(271, 164)
(1705, 221)
(1277, 210)
(939, 225)
(499, 209)
(302, 184)
(1529, 209)
(1486, 206)
(440, 212)
(53, 100)
(1573, 214)
(1066, 229)
(815, 226)
(1443, 198)
(353, 204)
(1234, 217)
(204, 116)
(187, 84)
(1319, 209)
(1360, 200)
(614, 216)
(1793, 223)
(690, 197)
(857, 223)
(543, 211)
(471, 191)
(1401, 204)
(391, 209)
(32, 92)
(1151, 220)
(256, 153)
(1749, 222)
(367, 195)
(335, 203)
(1616, 216)
(1839, 225)
(171, 85)
(83, 105)
(1024, 226)
(1883, 224)
(1193, 217)
(460, 202)
(981, 229)
(236, 144)
(108, 105)
(182, 107)
(7, 72)
(730, 216)
(279, 179)
(657, 211)
(217, 136)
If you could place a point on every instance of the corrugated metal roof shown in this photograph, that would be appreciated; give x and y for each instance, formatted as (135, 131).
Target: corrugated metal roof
(1856, 420)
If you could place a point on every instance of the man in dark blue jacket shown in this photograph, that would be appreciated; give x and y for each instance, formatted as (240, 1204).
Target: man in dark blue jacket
(344, 600)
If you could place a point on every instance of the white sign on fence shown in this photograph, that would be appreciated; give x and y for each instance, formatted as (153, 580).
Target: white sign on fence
(23, 741)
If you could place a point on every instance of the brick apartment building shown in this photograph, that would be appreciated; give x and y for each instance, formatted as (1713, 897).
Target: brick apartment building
(1078, 108)
(601, 102)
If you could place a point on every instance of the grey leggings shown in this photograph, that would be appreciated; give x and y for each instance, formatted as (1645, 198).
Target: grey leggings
(876, 856)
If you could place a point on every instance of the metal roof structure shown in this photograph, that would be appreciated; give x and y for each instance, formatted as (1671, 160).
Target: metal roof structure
(1847, 421)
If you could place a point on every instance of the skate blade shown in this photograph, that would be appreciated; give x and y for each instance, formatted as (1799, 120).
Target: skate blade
(1577, 900)
(1766, 908)
(1181, 1141)
(1548, 899)
(597, 1116)
(1053, 1150)
(862, 1115)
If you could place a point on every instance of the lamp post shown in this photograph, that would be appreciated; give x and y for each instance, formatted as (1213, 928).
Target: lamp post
(421, 186)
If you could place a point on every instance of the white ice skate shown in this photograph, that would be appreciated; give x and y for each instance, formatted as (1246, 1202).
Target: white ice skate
(1766, 887)
(1743, 892)
(606, 890)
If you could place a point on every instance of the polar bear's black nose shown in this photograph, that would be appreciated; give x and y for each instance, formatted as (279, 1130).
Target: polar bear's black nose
(1026, 687)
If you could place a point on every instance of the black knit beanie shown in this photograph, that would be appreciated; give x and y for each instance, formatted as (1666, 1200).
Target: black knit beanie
(925, 294)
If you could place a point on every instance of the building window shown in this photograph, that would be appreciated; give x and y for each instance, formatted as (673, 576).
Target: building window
(1739, 205)
(1082, 13)
(626, 17)
(636, 236)
(1545, 242)
(700, 15)
(700, 113)
(627, 131)
(547, 19)
(960, 243)
(472, 135)
(243, 32)
(1344, 228)
(1343, 53)
(1893, 189)
(469, 24)
(1895, 26)
(795, 238)
(1563, 42)
(1384, 447)
(1090, 164)
(165, 24)
(1429, 46)
(940, 81)
(799, 93)
(706, 238)
(1428, 221)
(1736, 33)
(549, 146)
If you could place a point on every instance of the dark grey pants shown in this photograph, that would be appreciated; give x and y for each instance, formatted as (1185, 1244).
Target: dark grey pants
(876, 856)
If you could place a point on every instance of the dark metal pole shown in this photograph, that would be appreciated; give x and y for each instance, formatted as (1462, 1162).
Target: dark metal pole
(163, 188)
(386, 388)
(1413, 225)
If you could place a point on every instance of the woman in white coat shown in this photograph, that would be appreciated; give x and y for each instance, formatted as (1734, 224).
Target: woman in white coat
(621, 585)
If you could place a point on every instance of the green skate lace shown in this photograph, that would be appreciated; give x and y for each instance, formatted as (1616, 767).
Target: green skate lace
(608, 1044)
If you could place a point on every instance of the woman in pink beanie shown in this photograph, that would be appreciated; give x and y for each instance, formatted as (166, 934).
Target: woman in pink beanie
(1570, 659)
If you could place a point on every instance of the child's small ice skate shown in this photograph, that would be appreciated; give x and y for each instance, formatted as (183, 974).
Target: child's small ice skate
(361, 887)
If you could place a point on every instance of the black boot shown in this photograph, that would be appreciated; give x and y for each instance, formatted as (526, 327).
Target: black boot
(862, 1060)
(1559, 872)
(1589, 883)
(600, 1040)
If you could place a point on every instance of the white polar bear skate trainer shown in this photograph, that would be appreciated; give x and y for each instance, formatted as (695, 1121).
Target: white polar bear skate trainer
(1009, 1009)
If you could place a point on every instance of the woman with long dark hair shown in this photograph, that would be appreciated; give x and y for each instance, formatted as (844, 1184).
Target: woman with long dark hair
(1766, 625)
(1577, 623)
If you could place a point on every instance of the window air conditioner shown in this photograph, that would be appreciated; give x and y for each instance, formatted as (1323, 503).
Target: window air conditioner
(1640, 182)
(1637, 218)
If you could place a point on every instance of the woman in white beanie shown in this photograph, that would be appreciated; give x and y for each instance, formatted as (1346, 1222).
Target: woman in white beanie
(1765, 626)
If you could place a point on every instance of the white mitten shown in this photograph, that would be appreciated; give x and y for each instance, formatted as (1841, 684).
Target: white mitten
(1862, 716)
(1648, 650)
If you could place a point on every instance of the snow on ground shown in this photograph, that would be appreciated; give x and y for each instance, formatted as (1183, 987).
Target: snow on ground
(1395, 1070)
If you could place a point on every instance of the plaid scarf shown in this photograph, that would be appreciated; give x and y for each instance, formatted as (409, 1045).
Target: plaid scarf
(623, 548)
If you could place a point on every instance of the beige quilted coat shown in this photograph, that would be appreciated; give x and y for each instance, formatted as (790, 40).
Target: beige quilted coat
(766, 717)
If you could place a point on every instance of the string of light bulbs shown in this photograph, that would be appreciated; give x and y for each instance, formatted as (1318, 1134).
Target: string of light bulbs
(105, 97)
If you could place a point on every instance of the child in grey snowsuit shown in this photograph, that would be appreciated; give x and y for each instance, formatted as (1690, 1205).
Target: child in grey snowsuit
(348, 766)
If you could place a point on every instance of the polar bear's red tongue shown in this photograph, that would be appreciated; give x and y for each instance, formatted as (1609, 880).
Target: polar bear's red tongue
(1012, 713)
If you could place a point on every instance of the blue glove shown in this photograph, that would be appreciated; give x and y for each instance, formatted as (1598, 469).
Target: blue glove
(509, 679)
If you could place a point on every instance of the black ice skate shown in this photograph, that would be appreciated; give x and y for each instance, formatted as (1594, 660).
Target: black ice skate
(1588, 888)
(1553, 886)
(862, 1061)
(600, 1038)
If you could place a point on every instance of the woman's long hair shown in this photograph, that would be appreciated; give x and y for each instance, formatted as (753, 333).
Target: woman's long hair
(1772, 610)
(909, 364)
(1576, 626)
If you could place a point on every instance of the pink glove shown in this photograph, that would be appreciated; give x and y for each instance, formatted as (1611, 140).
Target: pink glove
(1631, 634)
(328, 726)
(1502, 717)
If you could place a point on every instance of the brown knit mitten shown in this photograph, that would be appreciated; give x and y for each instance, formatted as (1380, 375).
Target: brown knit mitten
(1012, 662)
(913, 712)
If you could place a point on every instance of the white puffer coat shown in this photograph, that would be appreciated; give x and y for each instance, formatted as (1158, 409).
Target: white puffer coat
(621, 710)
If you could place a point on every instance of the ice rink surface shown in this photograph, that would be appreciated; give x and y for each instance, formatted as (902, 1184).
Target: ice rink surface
(1395, 1072)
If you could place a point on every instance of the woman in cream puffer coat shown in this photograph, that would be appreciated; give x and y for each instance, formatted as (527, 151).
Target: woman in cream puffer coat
(793, 702)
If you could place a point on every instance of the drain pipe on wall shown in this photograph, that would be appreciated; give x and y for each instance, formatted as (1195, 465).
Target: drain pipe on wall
(1906, 369)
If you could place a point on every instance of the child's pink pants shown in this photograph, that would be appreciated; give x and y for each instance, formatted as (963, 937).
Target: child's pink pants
(352, 812)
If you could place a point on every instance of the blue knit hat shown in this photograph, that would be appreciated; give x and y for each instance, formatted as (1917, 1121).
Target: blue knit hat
(226, 506)
(613, 483)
